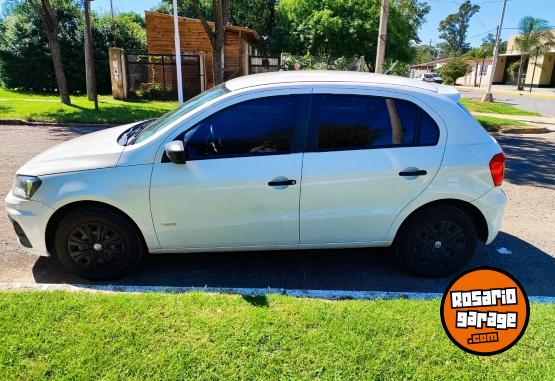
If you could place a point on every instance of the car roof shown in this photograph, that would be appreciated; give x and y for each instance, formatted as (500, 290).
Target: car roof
(327, 76)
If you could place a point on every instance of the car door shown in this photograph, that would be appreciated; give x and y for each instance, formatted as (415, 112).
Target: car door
(241, 183)
(371, 154)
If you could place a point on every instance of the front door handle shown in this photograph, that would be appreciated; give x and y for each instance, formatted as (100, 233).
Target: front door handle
(417, 172)
(281, 183)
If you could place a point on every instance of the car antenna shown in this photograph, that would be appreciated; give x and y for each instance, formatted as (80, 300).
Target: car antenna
(389, 71)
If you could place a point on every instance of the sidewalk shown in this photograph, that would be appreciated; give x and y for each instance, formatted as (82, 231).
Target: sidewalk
(541, 93)
(547, 122)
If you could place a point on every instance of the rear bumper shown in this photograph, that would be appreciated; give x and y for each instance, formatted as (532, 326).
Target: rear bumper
(492, 206)
(29, 219)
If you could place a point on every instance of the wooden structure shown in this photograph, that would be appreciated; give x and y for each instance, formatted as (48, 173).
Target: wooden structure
(160, 40)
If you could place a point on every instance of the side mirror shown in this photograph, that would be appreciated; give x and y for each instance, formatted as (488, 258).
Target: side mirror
(176, 152)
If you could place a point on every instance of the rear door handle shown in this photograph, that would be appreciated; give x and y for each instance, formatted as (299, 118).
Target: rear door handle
(281, 183)
(418, 172)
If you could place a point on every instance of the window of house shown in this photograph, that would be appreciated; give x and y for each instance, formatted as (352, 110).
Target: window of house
(358, 122)
(261, 126)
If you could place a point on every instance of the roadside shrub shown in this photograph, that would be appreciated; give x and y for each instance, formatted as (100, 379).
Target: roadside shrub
(310, 62)
(455, 68)
(512, 70)
(157, 92)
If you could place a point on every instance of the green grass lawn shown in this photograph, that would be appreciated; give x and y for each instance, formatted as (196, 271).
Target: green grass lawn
(84, 336)
(474, 105)
(48, 108)
(498, 124)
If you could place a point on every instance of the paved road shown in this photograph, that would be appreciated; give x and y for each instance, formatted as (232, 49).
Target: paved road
(528, 232)
(543, 106)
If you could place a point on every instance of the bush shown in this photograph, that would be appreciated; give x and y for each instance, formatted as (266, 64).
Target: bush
(454, 69)
(157, 92)
(512, 70)
(310, 62)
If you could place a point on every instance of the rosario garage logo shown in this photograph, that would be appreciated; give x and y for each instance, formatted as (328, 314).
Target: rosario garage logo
(485, 311)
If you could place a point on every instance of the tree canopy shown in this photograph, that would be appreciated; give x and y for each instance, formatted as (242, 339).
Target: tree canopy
(454, 29)
(347, 28)
(25, 60)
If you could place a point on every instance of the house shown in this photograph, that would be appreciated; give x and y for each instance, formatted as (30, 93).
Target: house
(538, 71)
(478, 72)
(198, 71)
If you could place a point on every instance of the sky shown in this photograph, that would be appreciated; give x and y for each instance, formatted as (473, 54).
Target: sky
(482, 22)
(485, 20)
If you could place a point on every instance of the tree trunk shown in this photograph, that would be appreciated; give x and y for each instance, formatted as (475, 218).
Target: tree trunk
(220, 9)
(50, 26)
(519, 77)
(59, 69)
(475, 73)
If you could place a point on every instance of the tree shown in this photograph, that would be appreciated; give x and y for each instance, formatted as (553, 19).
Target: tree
(455, 68)
(454, 28)
(220, 11)
(25, 59)
(536, 38)
(51, 29)
(332, 28)
(259, 15)
(476, 55)
(424, 53)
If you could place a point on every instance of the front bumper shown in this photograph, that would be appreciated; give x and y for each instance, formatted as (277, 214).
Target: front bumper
(492, 206)
(29, 219)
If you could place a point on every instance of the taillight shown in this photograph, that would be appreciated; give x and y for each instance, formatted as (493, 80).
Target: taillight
(497, 168)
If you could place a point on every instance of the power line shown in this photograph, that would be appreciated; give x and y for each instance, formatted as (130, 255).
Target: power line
(481, 34)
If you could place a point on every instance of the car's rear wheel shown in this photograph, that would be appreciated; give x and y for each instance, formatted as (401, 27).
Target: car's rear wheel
(436, 241)
(98, 243)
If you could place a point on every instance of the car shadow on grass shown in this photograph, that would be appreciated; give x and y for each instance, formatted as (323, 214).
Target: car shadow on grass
(332, 270)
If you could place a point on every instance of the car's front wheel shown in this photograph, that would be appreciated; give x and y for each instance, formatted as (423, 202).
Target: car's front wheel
(98, 243)
(436, 241)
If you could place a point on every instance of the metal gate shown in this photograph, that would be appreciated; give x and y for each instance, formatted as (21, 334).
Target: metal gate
(156, 74)
(263, 64)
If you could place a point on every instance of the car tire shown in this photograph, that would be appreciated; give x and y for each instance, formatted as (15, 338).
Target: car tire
(436, 242)
(98, 243)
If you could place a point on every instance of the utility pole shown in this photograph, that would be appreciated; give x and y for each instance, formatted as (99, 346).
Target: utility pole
(113, 25)
(89, 58)
(382, 37)
(177, 54)
(488, 96)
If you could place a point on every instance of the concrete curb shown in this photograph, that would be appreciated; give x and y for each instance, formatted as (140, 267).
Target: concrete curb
(21, 122)
(297, 293)
(506, 92)
(531, 130)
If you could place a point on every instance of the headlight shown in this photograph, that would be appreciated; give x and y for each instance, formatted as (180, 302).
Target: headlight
(26, 186)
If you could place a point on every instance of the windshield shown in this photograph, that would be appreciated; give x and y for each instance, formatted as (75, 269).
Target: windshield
(187, 107)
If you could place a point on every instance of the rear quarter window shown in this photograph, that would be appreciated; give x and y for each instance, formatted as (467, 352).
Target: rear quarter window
(347, 122)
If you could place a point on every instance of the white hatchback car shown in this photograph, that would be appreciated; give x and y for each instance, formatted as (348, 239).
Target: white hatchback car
(287, 160)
